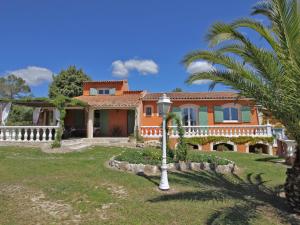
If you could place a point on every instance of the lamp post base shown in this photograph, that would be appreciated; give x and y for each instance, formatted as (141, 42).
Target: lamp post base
(164, 183)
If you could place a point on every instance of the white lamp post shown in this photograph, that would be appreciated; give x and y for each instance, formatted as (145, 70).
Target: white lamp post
(164, 105)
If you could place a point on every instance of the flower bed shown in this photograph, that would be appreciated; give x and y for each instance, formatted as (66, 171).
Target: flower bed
(148, 161)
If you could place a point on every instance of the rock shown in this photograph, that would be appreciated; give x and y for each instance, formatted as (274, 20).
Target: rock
(140, 145)
(205, 166)
(172, 166)
(137, 168)
(223, 169)
(153, 144)
(149, 169)
(183, 166)
(195, 166)
(124, 166)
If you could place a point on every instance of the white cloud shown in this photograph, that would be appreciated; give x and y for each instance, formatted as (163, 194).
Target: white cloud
(144, 67)
(198, 67)
(33, 75)
(200, 82)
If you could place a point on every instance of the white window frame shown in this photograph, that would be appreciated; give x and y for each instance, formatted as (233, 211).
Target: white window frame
(232, 105)
(189, 107)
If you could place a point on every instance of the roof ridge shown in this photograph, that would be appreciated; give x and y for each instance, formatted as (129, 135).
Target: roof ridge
(105, 81)
(191, 92)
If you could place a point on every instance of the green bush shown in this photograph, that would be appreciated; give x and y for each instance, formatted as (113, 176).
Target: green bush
(20, 116)
(145, 156)
(181, 152)
(200, 157)
(236, 140)
(153, 157)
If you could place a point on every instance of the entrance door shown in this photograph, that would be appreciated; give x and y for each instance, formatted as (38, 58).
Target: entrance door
(101, 123)
(130, 121)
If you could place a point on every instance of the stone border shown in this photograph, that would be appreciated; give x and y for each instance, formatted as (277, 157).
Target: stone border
(181, 166)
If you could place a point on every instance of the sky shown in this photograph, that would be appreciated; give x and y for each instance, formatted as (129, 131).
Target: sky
(143, 41)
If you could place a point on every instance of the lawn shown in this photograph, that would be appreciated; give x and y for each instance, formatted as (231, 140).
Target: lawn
(78, 188)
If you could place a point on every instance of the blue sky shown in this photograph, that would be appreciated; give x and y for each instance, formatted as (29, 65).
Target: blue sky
(42, 37)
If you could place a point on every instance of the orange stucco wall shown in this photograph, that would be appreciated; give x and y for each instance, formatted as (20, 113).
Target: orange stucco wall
(120, 87)
(155, 120)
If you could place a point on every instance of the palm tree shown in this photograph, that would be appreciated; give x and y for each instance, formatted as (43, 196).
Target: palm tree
(267, 70)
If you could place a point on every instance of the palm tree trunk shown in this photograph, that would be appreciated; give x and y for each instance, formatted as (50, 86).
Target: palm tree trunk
(292, 183)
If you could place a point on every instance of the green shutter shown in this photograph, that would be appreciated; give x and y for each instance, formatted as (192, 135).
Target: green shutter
(218, 114)
(177, 112)
(112, 91)
(104, 122)
(93, 91)
(130, 121)
(246, 114)
(203, 116)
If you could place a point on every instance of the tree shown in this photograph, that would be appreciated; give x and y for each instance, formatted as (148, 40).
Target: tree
(68, 83)
(177, 90)
(12, 87)
(270, 74)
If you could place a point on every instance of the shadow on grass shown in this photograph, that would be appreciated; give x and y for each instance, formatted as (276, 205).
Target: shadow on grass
(272, 160)
(251, 196)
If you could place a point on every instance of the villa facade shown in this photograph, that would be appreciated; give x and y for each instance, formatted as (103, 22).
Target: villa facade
(113, 110)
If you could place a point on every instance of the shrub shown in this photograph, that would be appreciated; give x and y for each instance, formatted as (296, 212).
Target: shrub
(153, 157)
(236, 140)
(146, 156)
(200, 157)
(181, 152)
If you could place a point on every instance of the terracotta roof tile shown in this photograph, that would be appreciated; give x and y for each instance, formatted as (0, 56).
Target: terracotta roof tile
(106, 82)
(109, 101)
(193, 96)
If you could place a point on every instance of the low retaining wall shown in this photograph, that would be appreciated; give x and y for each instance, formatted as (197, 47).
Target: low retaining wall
(181, 166)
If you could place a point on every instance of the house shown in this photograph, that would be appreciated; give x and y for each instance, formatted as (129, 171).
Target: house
(113, 110)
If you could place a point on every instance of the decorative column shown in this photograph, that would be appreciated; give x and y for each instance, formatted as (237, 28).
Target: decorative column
(136, 120)
(90, 123)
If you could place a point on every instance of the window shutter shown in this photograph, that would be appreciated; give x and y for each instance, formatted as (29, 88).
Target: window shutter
(112, 91)
(104, 122)
(177, 112)
(246, 114)
(93, 91)
(218, 114)
(203, 116)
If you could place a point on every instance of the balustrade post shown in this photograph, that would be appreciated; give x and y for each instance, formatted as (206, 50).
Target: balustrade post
(44, 134)
(50, 134)
(13, 134)
(269, 130)
(37, 134)
(7, 134)
(1, 134)
(19, 134)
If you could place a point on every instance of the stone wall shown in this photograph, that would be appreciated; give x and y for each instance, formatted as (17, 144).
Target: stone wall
(181, 166)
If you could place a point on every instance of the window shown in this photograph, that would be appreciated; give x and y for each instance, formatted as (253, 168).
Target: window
(103, 92)
(231, 114)
(148, 111)
(189, 116)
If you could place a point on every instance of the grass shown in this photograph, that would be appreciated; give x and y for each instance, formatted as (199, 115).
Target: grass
(78, 188)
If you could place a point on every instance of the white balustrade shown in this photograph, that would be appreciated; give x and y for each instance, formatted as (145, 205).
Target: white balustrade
(202, 131)
(28, 133)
